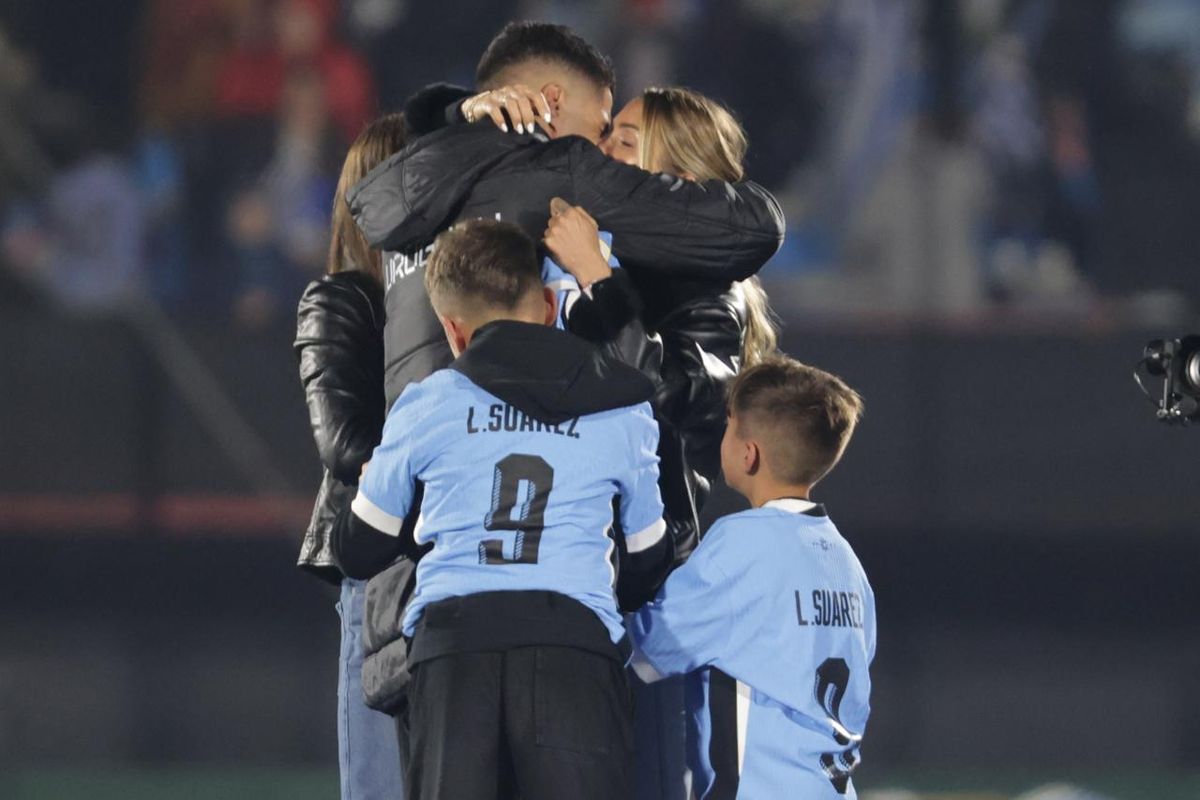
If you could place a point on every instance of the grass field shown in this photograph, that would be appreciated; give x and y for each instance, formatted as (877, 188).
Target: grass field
(181, 783)
(308, 783)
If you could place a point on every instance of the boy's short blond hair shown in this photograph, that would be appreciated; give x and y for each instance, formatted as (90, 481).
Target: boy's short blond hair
(801, 417)
(480, 267)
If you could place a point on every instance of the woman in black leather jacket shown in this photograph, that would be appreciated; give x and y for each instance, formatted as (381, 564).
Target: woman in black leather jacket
(708, 332)
(339, 344)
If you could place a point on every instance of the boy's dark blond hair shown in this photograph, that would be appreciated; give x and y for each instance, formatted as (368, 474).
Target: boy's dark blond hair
(802, 417)
(481, 266)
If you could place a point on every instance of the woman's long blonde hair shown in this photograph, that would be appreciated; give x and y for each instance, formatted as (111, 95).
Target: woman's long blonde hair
(348, 249)
(684, 133)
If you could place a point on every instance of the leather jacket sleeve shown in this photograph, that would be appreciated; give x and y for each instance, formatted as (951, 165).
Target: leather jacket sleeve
(702, 344)
(434, 107)
(611, 318)
(340, 350)
(714, 231)
(691, 359)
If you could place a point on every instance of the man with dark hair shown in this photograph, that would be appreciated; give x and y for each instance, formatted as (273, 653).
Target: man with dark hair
(524, 446)
(563, 66)
(704, 231)
(520, 42)
(559, 62)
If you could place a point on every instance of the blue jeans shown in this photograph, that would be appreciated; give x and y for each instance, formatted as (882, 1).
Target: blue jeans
(659, 734)
(368, 750)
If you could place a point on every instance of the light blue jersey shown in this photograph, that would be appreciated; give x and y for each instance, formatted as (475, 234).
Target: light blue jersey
(775, 620)
(564, 284)
(510, 503)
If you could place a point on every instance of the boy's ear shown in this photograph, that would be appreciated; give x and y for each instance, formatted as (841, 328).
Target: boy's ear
(751, 457)
(457, 334)
(551, 299)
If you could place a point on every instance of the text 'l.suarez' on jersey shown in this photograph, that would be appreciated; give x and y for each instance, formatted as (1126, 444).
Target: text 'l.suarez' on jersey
(773, 621)
(504, 417)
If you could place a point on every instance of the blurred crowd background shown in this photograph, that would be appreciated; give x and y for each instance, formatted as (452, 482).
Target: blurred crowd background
(945, 157)
(992, 205)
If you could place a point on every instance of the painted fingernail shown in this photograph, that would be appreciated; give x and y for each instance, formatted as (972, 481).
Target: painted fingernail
(520, 128)
(503, 127)
(547, 116)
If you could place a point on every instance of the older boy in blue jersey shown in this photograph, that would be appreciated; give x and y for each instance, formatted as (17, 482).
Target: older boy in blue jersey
(772, 615)
(522, 447)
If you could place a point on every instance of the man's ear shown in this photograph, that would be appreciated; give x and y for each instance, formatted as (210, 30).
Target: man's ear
(551, 299)
(457, 334)
(554, 94)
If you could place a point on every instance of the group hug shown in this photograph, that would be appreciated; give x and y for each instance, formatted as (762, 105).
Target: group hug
(539, 342)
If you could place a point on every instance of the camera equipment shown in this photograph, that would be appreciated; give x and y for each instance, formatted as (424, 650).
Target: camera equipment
(1177, 362)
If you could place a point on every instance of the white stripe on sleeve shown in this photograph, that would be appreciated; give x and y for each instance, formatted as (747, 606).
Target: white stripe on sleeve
(375, 516)
(643, 668)
(419, 528)
(646, 538)
(743, 718)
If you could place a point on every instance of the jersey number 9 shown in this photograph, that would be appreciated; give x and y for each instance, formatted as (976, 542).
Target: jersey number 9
(520, 490)
(833, 679)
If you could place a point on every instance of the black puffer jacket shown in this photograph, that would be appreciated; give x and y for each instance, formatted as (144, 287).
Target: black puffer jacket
(691, 353)
(702, 326)
(339, 344)
(712, 231)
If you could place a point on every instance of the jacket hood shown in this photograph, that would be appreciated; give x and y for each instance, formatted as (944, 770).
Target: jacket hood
(414, 195)
(549, 374)
(434, 107)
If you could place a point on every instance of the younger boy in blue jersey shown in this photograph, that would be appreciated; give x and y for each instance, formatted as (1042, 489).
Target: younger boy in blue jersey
(772, 616)
(521, 447)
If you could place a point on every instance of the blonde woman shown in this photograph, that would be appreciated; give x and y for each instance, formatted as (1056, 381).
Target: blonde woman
(709, 330)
